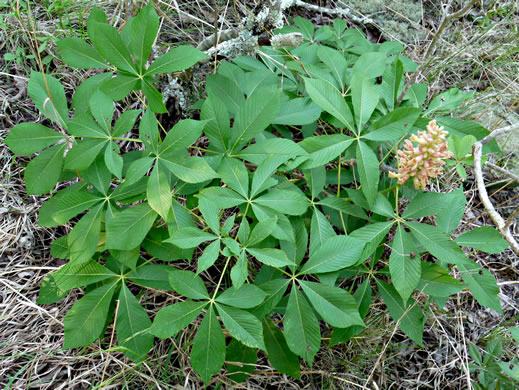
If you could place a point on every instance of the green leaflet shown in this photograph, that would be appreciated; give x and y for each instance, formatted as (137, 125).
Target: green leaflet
(188, 284)
(436, 281)
(481, 284)
(49, 96)
(409, 317)
(29, 138)
(173, 318)
(217, 128)
(365, 98)
(367, 166)
(330, 100)
(191, 169)
(183, 134)
(86, 320)
(127, 229)
(334, 254)
(109, 44)
(84, 237)
(235, 175)
(244, 358)
(242, 325)
(245, 297)
(131, 321)
(159, 192)
(301, 327)
(253, 116)
(278, 352)
(404, 263)
(334, 305)
(270, 256)
(78, 54)
(190, 237)
(437, 242)
(44, 171)
(208, 352)
(176, 59)
(484, 238)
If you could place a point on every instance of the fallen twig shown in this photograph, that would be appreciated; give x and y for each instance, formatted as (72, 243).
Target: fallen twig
(502, 225)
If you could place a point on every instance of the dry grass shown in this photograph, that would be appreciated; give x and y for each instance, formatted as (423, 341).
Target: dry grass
(470, 56)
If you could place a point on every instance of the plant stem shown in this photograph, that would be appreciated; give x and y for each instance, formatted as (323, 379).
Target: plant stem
(221, 278)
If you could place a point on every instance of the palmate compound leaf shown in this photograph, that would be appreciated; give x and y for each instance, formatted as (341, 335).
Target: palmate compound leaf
(173, 318)
(336, 306)
(409, 317)
(132, 320)
(242, 325)
(86, 320)
(208, 352)
(301, 327)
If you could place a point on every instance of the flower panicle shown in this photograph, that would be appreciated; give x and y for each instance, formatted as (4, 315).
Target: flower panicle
(424, 160)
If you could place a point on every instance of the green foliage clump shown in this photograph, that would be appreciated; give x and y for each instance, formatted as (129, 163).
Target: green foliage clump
(284, 201)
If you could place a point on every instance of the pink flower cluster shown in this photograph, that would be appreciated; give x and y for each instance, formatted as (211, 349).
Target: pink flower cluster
(425, 160)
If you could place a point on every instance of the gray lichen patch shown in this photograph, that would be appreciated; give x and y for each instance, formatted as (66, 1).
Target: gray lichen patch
(397, 19)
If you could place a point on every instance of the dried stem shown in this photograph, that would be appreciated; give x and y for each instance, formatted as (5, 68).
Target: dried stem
(502, 225)
(446, 20)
